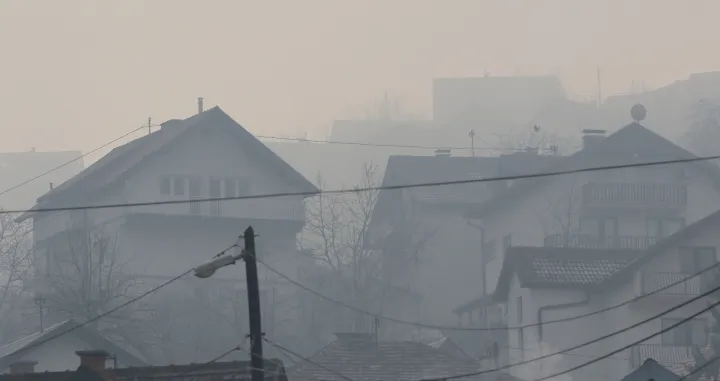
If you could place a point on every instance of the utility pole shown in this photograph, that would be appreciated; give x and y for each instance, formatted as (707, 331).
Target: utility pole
(256, 350)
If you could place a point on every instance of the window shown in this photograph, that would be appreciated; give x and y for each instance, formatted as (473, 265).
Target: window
(194, 187)
(599, 226)
(691, 332)
(178, 186)
(215, 188)
(230, 188)
(694, 259)
(507, 242)
(165, 185)
(663, 227)
(519, 310)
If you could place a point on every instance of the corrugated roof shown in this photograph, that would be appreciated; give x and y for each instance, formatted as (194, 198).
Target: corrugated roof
(561, 267)
(360, 358)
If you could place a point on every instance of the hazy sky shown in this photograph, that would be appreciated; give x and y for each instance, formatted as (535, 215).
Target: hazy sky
(75, 74)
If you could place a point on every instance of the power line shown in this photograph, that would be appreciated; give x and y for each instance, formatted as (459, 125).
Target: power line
(71, 161)
(282, 348)
(451, 328)
(601, 338)
(112, 310)
(366, 189)
(673, 326)
(392, 145)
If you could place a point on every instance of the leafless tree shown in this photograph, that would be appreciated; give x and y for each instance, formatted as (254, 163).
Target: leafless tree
(16, 256)
(82, 277)
(389, 108)
(563, 211)
(704, 130)
(535, 139)
(336, 236)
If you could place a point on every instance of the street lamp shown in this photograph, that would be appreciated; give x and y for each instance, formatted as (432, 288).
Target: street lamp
(207, 269)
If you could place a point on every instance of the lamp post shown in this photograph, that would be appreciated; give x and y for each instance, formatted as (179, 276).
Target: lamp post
(206, 270)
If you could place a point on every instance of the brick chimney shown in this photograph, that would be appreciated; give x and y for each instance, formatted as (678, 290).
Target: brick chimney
(94, 359)
(23, 366)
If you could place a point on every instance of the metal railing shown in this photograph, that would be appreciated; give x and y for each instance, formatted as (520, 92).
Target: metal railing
(668, 195)
(653, 281)
(589, 241)
(667, 355)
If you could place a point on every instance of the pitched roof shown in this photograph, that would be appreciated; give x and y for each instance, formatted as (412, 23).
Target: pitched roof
(359, 357)
(116, 165)
(228, 371)
(630, 144)
(12, 352)
(551, 267)
(651, 370)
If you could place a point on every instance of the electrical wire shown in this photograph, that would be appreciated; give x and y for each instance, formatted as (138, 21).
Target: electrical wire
(700, 368)
(365, 189)
(393, 145)
(451, 328)
(601, 338)
(71, 161)
(672, 326)
(115, 309)
(215, 359)
(286, 350)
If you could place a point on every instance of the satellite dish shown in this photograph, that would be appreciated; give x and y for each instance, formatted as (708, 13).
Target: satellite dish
(638, 112)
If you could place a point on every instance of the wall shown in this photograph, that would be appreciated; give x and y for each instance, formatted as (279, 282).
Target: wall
(532, 217)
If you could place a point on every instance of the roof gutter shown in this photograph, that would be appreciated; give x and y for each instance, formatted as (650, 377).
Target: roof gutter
(557, 307)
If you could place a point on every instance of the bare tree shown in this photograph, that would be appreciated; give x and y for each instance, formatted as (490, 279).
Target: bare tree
(336, 236)
(16, 258)
(81, 277)
(388, 108)
(563, 211)
(535, 139)
(704, 130)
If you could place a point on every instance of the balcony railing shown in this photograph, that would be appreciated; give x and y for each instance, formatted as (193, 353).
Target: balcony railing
(635, 194)
(588, 241)
(670, 356)
(654, 281)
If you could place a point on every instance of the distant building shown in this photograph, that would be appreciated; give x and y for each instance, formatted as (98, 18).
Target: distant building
(18, 167)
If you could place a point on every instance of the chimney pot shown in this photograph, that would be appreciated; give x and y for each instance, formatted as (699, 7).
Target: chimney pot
(200, 105)
(93, 359)
(26, 366)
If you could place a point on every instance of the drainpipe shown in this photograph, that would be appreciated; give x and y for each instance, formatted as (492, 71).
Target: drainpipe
(482, 255)
(557, 307)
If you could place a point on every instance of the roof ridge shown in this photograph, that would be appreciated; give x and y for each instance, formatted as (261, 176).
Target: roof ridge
(38, 333)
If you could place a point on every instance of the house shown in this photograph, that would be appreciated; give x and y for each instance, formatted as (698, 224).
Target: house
(50, 354)
(360, 357)
(621, 208)
(94, 367)
(427, 244)
(541, 285)
(16, 167)
(207, 155)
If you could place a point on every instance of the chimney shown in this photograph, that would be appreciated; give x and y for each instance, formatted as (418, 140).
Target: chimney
(94, 359)
(442, 153)
(51, 186)
(200, 105)
(591, 138)
(23, 366)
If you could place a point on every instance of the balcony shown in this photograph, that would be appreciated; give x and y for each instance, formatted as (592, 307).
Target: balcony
(628, 195)
(651, 282)
(669, 356)
(587, 241)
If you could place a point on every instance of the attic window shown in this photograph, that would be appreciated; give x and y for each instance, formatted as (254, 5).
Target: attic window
(178, 186)
(165, 185)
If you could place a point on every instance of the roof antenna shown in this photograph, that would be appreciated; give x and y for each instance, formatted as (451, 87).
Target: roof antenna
(472, 142)
(200, 105)
(638, 113)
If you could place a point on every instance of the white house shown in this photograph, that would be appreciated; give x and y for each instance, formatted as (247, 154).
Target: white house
(541, 285)
(43, 352)
(208, 155)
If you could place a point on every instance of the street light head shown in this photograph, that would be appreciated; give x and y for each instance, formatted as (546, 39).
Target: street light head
(206, 270)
